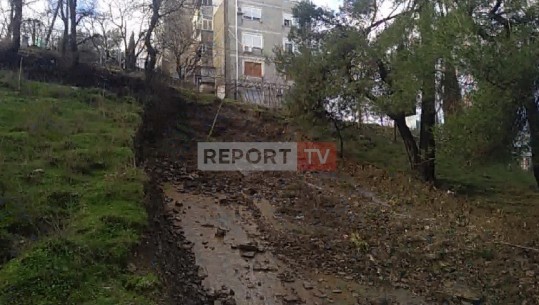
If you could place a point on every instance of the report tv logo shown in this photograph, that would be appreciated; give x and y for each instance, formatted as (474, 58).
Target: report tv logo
(267, 156)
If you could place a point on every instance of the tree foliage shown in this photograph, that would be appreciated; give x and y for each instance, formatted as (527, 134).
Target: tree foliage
(418, 56)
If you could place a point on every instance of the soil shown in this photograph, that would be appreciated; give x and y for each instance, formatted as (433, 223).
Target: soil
(307, 238)
(328, 238)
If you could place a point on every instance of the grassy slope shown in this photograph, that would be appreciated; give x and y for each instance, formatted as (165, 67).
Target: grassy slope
(491, 185)
(70, 197)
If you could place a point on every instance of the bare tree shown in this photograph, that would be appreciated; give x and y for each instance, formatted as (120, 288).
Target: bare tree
(159, 9)
(4, 20)
(15, 25)
(54, 12)
(177, 41)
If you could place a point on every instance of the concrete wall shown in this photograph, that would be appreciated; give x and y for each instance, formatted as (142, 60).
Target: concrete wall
(270, 26)
(219, 43)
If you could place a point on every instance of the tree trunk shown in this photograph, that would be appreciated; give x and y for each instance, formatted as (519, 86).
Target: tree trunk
(16, 26)
(73, 49)
(451, 95)
(533, 124)
(409, 142)
(65, 20)
(427, 145)
(54, 16)
(11, 17)
(130, 59)
(151, 60)
(341, 140)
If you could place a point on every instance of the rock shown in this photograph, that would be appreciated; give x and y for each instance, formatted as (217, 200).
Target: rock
(257, 266)
(250, 247)
(291, 299)
(464, 293)
(202, 273)
(222, 199)
(308, 285)
(320, 295)
(248, 254)
(220, 232)
(336, 291)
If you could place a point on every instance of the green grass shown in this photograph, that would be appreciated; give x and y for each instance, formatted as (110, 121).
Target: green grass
(498, 185)
(71, 200)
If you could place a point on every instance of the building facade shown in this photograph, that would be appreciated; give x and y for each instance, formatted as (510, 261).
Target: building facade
(246, 32)
(187, 41)
(204, 73)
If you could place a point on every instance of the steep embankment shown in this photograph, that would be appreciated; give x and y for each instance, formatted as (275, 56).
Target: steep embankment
(327, 237)
(71, 198)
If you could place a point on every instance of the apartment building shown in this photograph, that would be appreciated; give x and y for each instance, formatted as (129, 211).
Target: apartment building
(244, 37)
(204, 73)
(188, 45)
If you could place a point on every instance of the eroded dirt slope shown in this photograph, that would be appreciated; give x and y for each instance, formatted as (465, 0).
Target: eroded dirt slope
(323, 238)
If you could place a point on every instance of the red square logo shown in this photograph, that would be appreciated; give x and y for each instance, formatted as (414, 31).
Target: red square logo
(317, 156)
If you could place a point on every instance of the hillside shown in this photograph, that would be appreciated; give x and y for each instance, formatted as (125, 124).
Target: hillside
(71, 199)
(363, 234)
(81, 224)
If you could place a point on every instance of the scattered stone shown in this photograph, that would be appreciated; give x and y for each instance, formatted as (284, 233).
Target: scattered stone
(221, 232)
(222, 199)
(464, 293)
(248, 254)
(308, 285)
(291, 299)
(251, 247)
(320, 295)
(257, 266)
(336, 291)
(202, 273)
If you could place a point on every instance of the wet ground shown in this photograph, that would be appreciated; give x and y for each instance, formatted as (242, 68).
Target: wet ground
(234, 259)
(313, 238)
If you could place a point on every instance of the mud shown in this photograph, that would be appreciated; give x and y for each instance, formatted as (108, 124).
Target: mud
(233, 256)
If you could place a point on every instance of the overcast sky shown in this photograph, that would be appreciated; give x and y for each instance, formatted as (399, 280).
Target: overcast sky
(332, 4)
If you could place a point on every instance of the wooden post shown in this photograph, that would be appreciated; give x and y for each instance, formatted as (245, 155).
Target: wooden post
(20, 73)
(394, 132)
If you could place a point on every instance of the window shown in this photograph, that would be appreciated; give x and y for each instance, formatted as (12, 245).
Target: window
(251, 13)
(206, 2)
(253, 69)
(289, 46)
(251, 40)
(203, 48)
(207, 24)
(289, 20)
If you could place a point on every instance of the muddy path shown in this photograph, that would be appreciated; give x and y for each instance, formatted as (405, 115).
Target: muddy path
(235, 230)
(315, 238)
(236, 262)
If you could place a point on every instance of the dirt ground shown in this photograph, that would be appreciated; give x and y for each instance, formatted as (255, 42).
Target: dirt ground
(322, 238)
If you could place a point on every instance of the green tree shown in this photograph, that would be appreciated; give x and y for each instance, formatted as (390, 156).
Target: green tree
(501, 53)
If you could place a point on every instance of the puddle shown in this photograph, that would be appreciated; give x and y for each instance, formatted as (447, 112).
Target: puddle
(254, 280)
(230, 253)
